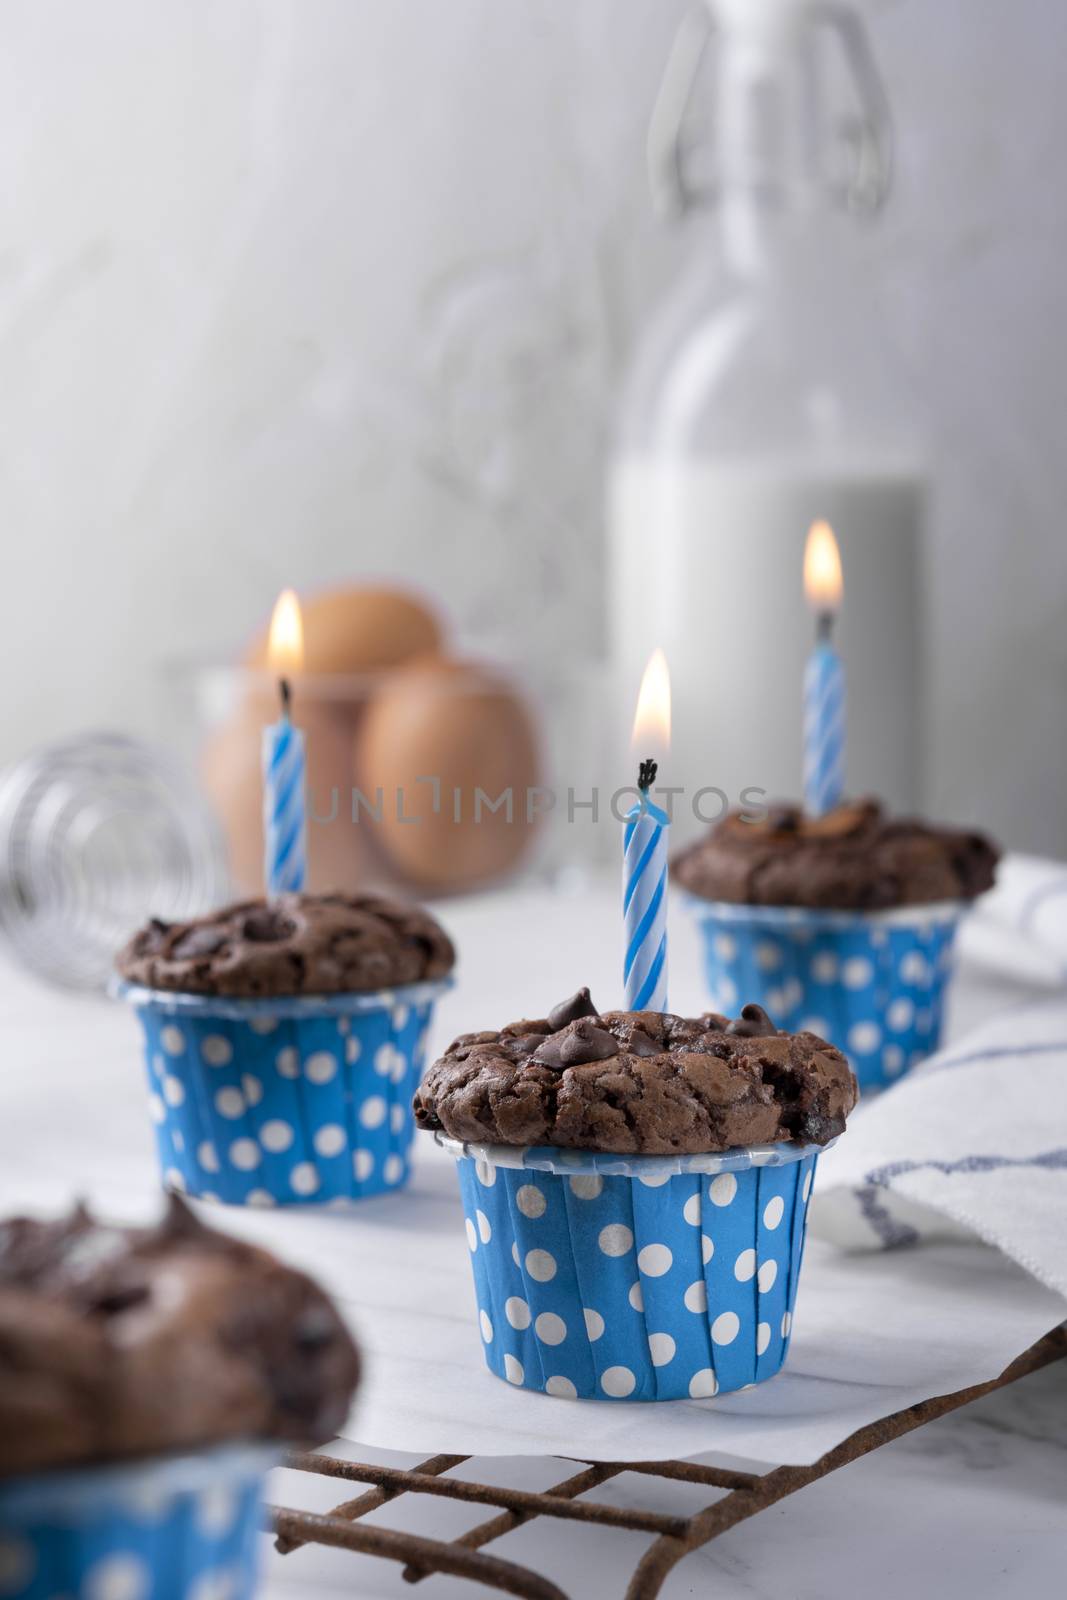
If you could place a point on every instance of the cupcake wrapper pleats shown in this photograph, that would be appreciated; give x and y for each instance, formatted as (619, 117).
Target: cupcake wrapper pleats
(279, 1108)
(663, 1287)
(168, 1530)
(872, 985)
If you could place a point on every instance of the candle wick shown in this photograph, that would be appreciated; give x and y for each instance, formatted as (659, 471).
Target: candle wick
(286, 694)
(824, 627)
(646, 775)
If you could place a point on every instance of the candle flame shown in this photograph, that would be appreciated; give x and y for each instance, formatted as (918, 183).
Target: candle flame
(823, 583)
(285, 647)
(652, 722)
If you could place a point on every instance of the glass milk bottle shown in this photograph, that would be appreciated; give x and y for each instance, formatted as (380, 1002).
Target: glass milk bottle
(761, 401)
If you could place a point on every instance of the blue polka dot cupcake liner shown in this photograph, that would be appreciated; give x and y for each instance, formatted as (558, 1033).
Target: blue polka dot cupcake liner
(176, 1528)
(873, 983)
(602, 1277)
(302, 1100)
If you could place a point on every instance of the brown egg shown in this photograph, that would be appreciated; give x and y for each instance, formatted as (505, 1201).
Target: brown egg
(339, 854)
(360, 630)
(463, 725)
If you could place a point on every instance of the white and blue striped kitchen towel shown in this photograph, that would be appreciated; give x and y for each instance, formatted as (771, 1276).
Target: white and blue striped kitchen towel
(1019, 929)
(972, 1143)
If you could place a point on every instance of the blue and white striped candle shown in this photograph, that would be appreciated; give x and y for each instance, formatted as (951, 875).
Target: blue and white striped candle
(824, 679)
(644, 900)
(284, 822)
(824, 730)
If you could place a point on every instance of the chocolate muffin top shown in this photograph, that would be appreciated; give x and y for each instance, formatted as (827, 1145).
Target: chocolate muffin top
(854, 858)
(296, 944)
(638, 1082)
(118, 1342)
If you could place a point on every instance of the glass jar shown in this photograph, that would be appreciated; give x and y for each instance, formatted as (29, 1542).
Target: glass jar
(98, 833)
(763, 399)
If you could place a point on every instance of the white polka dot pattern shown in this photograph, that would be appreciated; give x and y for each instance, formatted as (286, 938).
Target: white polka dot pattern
(230, 1103)
(123, 1576)
(330, 1139)
(245, 1154)
(517, 1312)
(745, 1266)
(661, 1348)
(679, 1289)
(309, 1110)
(540, 1265)
(550, 1328)
(276, 1136)
(154, 1531)
(703, 1384)
(530, 1200)
(654, 1260)
(873, 986)
(696, 1297)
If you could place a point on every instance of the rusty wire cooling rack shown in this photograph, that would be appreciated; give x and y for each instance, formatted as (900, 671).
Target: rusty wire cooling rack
(741, 1495)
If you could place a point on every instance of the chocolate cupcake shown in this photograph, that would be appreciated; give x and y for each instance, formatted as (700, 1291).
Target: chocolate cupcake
(635, 1187)
(283, 1041)
(842, 924)
(147, 1377)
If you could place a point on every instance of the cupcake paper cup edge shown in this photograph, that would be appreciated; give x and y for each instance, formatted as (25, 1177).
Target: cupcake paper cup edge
(647, 1285)
(174, 1528)
(873, 984)
(267, 1103)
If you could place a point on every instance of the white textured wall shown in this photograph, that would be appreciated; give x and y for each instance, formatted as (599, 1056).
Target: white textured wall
(295, 290)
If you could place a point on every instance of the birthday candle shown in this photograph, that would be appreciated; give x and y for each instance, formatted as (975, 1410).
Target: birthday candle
(645, 901)
(824, 678)
(284, 820)
(645, 858)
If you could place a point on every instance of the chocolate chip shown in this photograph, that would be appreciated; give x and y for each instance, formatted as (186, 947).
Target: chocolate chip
(639, 1044)
(517, 1047)
(153, 936)
(577, 1047)
(111, 1302)
(753, 1023)
(550, 1053)
(783, 819)
(180, 1221)
(267, 926)
(579, 1005)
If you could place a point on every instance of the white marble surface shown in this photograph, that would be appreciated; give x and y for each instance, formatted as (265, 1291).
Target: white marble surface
(297, 290)
(973, 1505)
